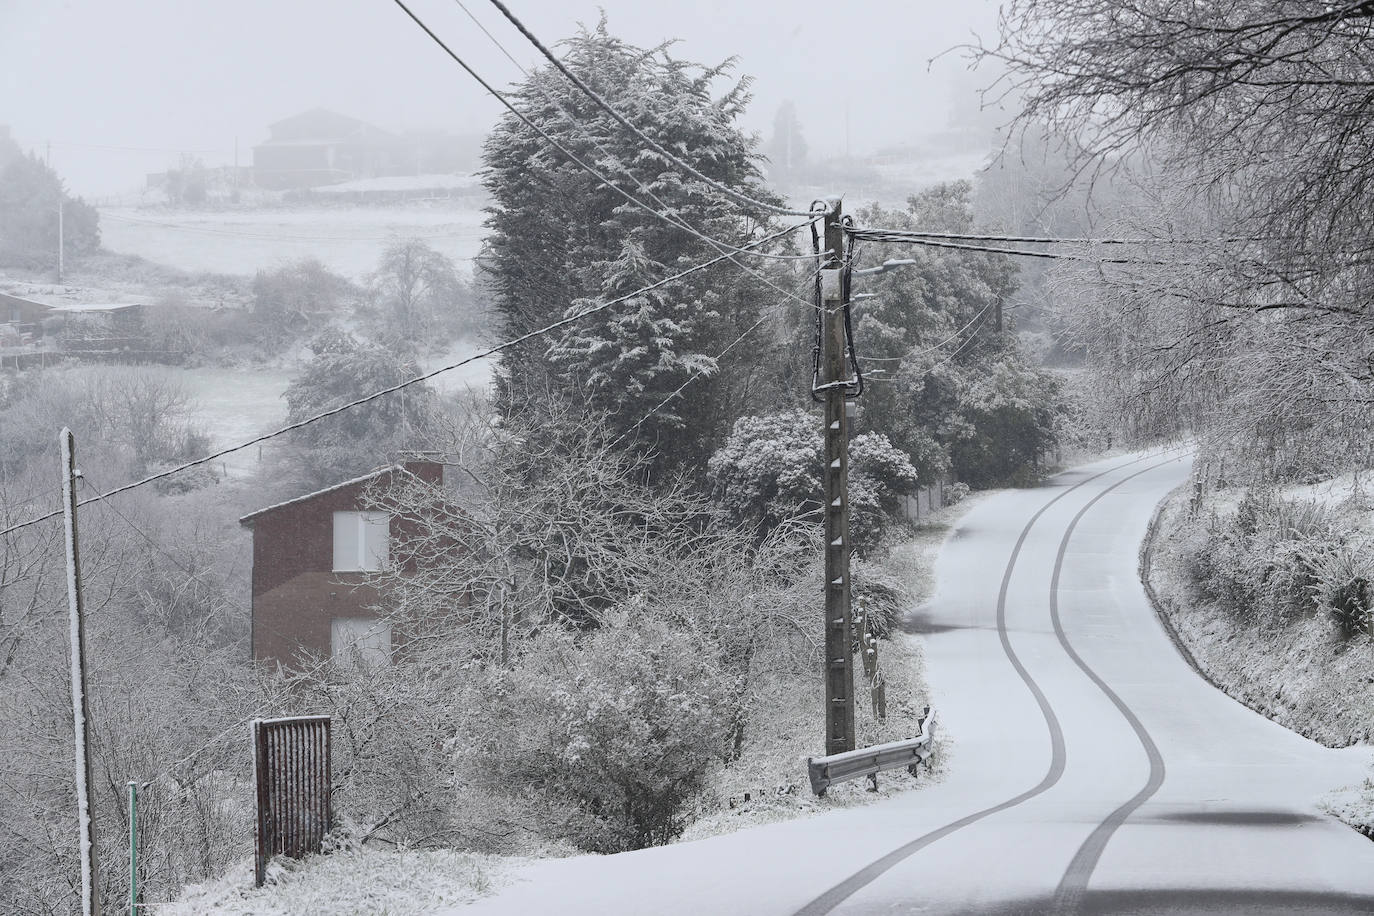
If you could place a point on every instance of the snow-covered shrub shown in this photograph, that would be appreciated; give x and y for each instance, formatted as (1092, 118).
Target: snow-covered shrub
(770, 470)
(292, 298)
(882, 593)
(392, 774)
(879, 476)
(1343, 589)
(612, 733)
(1261, 563)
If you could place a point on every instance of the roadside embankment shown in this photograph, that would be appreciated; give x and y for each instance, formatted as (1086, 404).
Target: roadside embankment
(1268, 595)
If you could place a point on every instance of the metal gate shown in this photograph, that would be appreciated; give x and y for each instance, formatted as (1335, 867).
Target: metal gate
(291, 769)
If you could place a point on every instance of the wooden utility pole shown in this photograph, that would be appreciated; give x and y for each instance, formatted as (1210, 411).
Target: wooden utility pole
(839, 660)
(81, 719)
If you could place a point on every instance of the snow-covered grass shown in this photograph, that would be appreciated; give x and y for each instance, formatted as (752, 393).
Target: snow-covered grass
(352, 882)
(1300, 673)
(349, 241)
(1355, 806)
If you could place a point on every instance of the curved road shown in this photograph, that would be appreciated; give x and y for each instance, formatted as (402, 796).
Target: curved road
(1090, 769)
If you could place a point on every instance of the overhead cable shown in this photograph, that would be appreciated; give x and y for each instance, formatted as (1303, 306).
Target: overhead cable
(699, 373)
(1064, 240)
(907, 238)
(269, 237)
(931, 349)
(290, 427)
(610, 110)
(665, 214)
(578, 161)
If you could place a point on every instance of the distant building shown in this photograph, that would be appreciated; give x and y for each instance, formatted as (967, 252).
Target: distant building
(62, 317)
(24, 315)
(320, 147)
(311, 557)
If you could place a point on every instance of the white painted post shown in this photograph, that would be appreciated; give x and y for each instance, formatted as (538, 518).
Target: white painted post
(90, 894)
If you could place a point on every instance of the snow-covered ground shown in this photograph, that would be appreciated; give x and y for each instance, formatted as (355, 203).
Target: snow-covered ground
(1143, 791)
(357, 882)
(1090, 769)
(403, 183)
(347, 240)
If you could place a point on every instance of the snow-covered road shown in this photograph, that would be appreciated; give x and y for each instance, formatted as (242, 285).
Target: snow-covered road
(1090, 769)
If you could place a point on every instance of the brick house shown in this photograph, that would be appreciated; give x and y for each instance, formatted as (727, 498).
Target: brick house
(311, 556)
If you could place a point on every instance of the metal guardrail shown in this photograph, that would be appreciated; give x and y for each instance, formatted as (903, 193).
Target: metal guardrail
(870, 761)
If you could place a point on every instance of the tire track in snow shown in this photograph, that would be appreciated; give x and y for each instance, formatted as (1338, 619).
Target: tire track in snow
(837, 894)
(1068, 896)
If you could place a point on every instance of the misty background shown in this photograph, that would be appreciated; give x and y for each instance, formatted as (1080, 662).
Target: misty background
(113, 92)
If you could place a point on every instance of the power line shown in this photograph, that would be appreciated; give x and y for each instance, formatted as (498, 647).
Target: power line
(151, 542)
(180, 227)
(1053, 240)
(578, 161)
(133, 149)
(590, 135)
(908, 238)
(290, 427)
(698, 374)
(610, 110)
(931, 349)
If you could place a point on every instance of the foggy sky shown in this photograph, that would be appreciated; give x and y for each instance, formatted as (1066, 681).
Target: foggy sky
(123, 88)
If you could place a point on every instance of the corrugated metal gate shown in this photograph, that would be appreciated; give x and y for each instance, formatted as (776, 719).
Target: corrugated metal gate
(291, 769)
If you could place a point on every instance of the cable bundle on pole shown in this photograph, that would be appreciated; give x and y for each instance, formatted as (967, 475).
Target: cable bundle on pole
(905, 237)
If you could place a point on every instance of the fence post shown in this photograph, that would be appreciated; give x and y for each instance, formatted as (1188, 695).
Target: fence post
(133, 848)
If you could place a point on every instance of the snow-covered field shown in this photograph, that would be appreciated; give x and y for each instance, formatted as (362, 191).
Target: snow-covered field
(347, 240)
(235, 403)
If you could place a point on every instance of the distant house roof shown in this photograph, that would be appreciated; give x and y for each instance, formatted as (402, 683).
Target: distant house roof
(248, 520)
(67, 307)
(23, 301)
(105, 308)
(319, 124)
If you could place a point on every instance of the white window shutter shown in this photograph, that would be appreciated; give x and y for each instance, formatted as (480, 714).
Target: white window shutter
(376, 540)
(347, 541)
(364, 641)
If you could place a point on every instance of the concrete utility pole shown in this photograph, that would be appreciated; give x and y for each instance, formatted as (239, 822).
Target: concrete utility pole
(81, 719)
(839, 660)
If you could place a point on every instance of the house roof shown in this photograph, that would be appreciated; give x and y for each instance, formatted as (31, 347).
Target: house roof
(247, 520)
(320, 124)
(22, 300)
(69, 306)
(75, 307)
